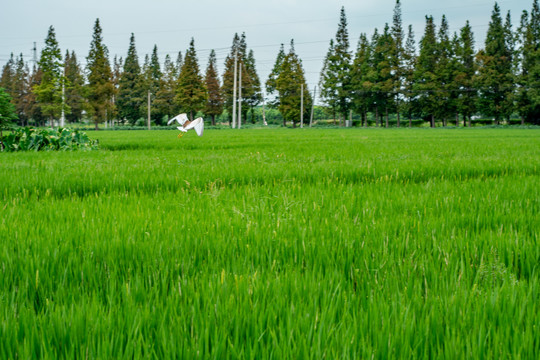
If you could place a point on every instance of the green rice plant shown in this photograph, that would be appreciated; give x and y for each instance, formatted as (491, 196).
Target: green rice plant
(274, 243)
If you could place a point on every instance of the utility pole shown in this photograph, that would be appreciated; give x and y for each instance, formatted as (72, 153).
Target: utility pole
(240, 95)
(264, 114)
(301, 106)
(63, 115)
(148, 109)
(312, 105)
(234, 93)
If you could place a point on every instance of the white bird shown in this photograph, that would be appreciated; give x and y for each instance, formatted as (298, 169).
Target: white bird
(185, 124)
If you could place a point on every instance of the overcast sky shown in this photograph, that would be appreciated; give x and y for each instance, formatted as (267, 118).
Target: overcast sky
(171, 24)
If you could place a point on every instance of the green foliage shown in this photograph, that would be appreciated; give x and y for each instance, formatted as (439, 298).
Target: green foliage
(60, 139)
(131, 94)
(49, 90)
(495, 77)
(335, 81)
(289, 84)
(7, 113)
(214, 104)
(100, 87)
(191, 93)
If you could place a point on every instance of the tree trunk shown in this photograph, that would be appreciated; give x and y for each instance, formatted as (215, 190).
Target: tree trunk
(469, 120)
(364, 118)
(464, 120)
(386, 116)
(398, 122)
(410, 121)
(457, 119)
(96, 125)
(213, 119)
(522, 120)
(1, 142)
(432, 121)
(376, 116)
(444, 122)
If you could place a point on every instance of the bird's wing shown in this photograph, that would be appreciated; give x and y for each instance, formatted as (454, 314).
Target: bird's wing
(199, 126)
(181, 119)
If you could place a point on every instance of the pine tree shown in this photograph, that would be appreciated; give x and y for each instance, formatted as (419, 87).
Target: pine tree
(164, 99)
(336, 76)
(425, 79)
(131, 92)
(8, 73)
(409, 57)
(398, 58)
(528, 78)
(274, 74)
(32, 108)
(288, 84)
(7, 114)
(74, 89)
(20, 90)
(49, 91)
(444, 73)
(254, 95)
(191, 92)
(495, 76)
(380, 81)
(214, 104)
(360, 93)
(465, 74)
(152, 79)
(100, 87)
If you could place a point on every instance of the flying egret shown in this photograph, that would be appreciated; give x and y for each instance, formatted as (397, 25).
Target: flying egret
(185, 124)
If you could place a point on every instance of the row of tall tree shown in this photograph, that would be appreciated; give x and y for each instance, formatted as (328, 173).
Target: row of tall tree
(442, 78)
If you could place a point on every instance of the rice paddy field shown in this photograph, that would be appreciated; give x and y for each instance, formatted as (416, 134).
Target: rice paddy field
(274, 243)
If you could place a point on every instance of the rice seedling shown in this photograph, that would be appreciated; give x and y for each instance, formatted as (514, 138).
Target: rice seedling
(274, 243)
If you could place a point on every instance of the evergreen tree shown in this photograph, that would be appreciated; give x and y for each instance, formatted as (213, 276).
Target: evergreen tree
(214, 104)
(253, 97)
(7, 114)
(164, 99)
(8, 73)
(32, 108)
(20, 90)
(528, 79)
(131, 92)
(179, 62)
(425, 78)
(288, 85)
(336, 76)
(49, 91)
(74, 89)
(465, 74)
(409, 57)
(398, 58)
(495, 70)
(100, 87)
(360, 93)
(191, 92)
(380, 80)
(272, 78)
(152, 79)
(444, 73)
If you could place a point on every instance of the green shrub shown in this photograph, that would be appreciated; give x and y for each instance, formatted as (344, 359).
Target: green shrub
(65, 139)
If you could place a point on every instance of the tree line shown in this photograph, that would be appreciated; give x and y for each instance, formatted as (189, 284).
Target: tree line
(442, 78)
